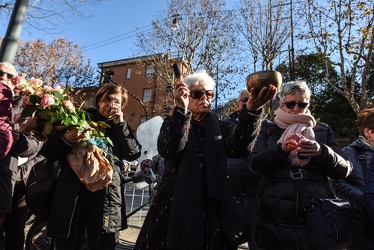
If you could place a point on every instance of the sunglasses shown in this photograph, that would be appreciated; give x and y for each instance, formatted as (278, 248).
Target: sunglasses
(244, 100)
(9, 76)
(292, 104)
(197, 94)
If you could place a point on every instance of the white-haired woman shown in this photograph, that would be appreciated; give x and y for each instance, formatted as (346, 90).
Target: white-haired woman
(293, 140)
(185, 213)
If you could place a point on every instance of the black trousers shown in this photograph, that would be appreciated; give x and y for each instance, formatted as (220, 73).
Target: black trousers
(12, 232)
(88, 218)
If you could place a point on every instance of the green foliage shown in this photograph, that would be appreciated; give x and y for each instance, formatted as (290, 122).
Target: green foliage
(326, 105)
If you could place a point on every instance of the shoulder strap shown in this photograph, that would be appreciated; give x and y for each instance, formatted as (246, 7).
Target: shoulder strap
(297, 176)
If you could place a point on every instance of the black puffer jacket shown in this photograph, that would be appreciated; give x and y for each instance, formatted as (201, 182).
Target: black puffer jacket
(279, 220)
(68, 185)
(352, 189)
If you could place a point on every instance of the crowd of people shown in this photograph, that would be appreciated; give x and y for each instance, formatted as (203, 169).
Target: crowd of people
(203, 165)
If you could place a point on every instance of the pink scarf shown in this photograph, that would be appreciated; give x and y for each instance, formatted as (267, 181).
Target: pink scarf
(295, 123)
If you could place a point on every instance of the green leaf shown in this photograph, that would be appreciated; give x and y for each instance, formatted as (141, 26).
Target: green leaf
(29, 111)
(66, 90)
(58, 95)
(48, 127)
(34, 99)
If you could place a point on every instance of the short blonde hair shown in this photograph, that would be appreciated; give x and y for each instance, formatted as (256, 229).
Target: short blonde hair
(293, 87)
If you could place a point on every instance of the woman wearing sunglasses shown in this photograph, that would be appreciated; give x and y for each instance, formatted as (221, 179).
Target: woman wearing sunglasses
(293, 140)
(185, 213)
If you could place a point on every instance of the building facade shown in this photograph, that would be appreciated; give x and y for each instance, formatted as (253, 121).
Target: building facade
(149, 82)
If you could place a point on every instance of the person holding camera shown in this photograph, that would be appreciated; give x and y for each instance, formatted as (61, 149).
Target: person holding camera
(185, 212)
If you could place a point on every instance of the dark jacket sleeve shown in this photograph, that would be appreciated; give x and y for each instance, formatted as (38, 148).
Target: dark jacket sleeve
(128, 146)
(241, 136)
(264, 157)
(368, 197)
(173, 134)
(26, 146)
(56, 148)
(351, 187)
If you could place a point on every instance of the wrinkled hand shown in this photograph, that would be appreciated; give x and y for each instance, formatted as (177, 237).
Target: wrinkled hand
(72, 136)
(306, 148)
(309, 148)
(256, 101)
(291, 143)
(181, 93)
(116, 115)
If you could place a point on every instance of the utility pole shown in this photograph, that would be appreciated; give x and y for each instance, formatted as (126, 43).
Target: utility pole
(9, 44)
(292, 75)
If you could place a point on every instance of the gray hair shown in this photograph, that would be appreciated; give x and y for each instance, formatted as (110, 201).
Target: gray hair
(243, 91)
(200, 78)
(293, 87)
(11, 69)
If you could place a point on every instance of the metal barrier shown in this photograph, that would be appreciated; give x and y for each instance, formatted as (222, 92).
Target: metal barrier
(136, 204)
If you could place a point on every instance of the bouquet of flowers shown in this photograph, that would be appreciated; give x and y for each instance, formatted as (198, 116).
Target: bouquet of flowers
(47, 110)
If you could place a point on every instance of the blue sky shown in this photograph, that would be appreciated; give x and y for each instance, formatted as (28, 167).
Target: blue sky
(108, 34)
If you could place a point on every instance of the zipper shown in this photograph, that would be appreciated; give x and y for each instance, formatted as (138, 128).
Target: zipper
(72, 215)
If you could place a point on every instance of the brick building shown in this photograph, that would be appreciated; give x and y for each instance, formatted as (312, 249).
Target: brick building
(143, 77)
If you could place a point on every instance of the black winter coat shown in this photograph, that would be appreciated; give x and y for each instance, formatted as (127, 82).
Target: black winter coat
(279, 219)
(68, 185)
(352, 189)
(241, 179)
(25, 147)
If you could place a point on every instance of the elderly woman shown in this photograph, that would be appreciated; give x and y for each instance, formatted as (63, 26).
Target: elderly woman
(75, 208)
(185, 213)
(293, 140)
(360, 152)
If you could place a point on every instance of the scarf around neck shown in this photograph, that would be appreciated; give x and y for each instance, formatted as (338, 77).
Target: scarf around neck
(295, 124)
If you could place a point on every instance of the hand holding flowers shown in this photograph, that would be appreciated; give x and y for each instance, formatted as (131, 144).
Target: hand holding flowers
(47, 110)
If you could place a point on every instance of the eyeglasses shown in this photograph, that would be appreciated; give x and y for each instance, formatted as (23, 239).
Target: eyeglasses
(292, 104)
(197, 94)
(244, 100)
(9, 76)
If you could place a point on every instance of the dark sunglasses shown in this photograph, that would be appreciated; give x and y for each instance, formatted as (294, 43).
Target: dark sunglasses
(9, 76)
(244, 100)
(197, 94)
(291, 105)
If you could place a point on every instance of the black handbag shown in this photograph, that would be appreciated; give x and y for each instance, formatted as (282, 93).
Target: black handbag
(328, 220)
(235, 221)
(40, 185)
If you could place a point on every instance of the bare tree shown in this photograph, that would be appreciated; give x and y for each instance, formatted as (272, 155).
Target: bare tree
(343, 31)
(60, 62)
(265, 27)
(48, 15)
(198, 32)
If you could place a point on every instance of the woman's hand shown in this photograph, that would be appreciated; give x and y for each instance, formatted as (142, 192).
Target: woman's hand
(291, 143)
(116, 115)
(181, 93)
(305, 148)
(308, 148)
(72, 136)
(255, 102)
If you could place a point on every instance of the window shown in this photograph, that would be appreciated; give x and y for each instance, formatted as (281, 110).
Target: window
(147, 95)
(149, 71)
(128, 73)
(143, 118)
